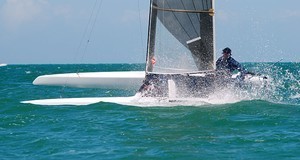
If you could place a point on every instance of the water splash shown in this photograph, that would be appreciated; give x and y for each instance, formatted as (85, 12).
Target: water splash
(284, 85)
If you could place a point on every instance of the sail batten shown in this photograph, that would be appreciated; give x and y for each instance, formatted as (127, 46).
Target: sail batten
(183, 10)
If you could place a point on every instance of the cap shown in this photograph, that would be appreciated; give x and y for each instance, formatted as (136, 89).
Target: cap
(226, 50)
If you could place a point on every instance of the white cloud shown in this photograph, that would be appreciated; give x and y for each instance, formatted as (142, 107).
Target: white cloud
(17, 12)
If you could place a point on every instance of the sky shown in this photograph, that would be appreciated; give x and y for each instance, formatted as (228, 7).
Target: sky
(63, 31)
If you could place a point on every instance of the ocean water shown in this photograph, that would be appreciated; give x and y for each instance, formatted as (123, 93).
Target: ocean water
(263, 125)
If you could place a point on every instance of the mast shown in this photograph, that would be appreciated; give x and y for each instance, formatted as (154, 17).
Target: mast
(214, 36)
(151, 37)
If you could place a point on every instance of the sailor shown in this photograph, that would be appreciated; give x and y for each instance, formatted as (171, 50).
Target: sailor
(228, 64)
(151, 87)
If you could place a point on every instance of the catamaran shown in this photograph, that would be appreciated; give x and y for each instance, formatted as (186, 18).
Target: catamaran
(180, 61)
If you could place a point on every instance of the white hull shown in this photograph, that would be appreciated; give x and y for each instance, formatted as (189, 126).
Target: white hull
(79, 101)
(132, 101)
(103, 80)
(120, 80)
(2, 65)
(107, 80)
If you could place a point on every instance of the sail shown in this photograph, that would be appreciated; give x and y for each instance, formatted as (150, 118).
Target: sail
(181, 36)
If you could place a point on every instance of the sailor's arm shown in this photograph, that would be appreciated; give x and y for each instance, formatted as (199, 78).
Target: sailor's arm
(241, 69)
(237, 65)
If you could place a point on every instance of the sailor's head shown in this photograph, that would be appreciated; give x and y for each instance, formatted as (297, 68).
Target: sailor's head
(226, 52)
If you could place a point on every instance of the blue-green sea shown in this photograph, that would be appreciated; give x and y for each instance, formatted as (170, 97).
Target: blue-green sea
(266, 126)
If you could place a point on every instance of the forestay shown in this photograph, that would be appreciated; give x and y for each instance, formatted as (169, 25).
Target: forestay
(181, 36)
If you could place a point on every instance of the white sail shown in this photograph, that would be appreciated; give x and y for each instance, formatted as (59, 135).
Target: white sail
(181, 36)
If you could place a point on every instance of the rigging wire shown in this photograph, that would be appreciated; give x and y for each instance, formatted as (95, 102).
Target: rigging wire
(86, 29)
(140, 21)
(92, 28)
(78, 50)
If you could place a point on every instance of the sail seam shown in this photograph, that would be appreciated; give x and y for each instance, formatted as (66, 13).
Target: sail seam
(206, 4)
(195, 9)
(195, 30)
(180, 23)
